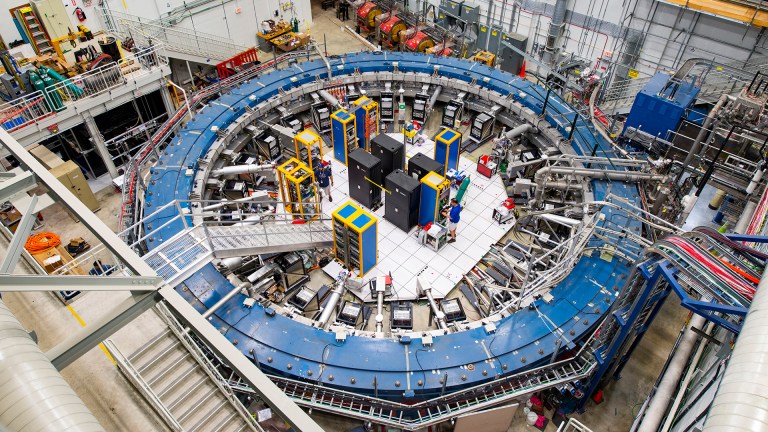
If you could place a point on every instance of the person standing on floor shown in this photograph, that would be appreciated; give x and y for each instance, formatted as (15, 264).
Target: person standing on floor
(324, 177)
(454, 215)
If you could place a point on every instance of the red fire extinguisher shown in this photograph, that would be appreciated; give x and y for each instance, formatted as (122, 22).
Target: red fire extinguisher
(80, 14)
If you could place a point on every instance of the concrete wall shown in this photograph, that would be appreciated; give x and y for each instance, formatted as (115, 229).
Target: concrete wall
(235, 19)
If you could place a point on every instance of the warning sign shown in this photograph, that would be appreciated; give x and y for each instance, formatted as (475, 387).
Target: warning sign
(633, 73)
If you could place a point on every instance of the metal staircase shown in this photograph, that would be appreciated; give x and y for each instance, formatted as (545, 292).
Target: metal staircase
(182, 386)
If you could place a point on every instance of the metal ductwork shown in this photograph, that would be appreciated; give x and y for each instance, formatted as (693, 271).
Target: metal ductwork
(520, 130)
(34, 396)
(555, 27)
(741, 402)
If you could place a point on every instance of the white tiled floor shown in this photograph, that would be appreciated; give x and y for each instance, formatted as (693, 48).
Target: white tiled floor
(401, 254)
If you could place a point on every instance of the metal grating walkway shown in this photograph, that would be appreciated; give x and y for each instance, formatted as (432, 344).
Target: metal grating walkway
(188, 251)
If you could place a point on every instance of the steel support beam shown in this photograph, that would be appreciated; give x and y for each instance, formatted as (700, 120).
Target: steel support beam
(98, 142)
(19, 238)
(219, 344)
(63, 354)
(16, 183)
(26, 283)
(62, 194)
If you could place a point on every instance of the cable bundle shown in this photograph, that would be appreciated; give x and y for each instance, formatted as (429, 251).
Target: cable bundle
(41, 242)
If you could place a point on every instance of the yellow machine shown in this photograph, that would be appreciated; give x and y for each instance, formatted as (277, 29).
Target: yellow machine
(309, 148)
(367, 124)
(486, 58)
(297, 188)
(82, 34)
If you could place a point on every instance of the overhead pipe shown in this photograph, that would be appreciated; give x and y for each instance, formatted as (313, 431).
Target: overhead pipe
(34, 396)
(333, 299)
(665, 391)
(434, 97)
(325, 59)
(520, 130)
(241, 169)
(741, 401)
(425, 287)
(703, 135)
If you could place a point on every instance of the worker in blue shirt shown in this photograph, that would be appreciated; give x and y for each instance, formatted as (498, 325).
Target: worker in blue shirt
(324, 177)
(454, 215)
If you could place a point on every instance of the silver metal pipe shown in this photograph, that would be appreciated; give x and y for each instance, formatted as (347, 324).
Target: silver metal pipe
(325, 59)
(745, 218)
(630, 176)
(741, 401)
(241, 169)
(333, 300)
(434, 97)
(235, 291)
(425, 287)
(553, 36)
(657, 408)
(522, 129)
(329, 98)
(702, 135)
(34, 396)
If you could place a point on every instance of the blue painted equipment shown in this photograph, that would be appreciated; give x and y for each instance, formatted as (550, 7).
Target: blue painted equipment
(309, 148)
(343, 135)
(661, 105)
(354, 237)
(447, 149)
(435, 193)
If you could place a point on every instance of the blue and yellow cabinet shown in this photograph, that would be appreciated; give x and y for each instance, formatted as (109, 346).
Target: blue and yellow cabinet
(343, 135)
(435, 194)
(448, 148)
(366, 113)
(355, 237)
(297, 187)
(309, 148)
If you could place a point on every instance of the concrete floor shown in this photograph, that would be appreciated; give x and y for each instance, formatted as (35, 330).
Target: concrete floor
(119, 408)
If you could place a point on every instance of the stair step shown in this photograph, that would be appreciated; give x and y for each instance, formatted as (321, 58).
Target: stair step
(172, 370)
(202, 385)
(152, 342)
(151, 355)
(225, 423)
(213, 416)
(183, 377)
(198, 409)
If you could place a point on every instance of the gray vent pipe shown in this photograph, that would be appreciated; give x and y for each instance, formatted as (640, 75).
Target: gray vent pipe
(33, 395)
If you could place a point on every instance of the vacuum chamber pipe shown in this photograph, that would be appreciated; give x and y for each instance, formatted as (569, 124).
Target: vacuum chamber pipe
(241, 169)
(434, 97)
(631, 176)
(522, 129)
(329, 98)
(235, 291)
(333, 300)
(741, 401)
(34, 396)
(657, 408)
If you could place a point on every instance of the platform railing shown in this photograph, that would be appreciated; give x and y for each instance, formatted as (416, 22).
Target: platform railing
(131, 190)
(71, 92)
(176, 38)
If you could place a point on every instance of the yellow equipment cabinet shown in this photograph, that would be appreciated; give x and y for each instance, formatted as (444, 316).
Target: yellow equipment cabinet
(297, 187)
(435, 193)
(343, 135)
(366, 113)
(309, 148)
(486, 58)
(355, 237)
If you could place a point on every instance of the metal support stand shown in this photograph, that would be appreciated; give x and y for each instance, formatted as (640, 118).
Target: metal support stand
(98, 142)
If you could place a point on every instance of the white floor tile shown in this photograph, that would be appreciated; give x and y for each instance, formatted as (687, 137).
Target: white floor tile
(485, 241)
(386, 247)
(439, 264)
(449, 252)
(397, 236)
(486, 199)
(475, 252)
(467, 230)
(387, 264)
(410, 245)
(385, 227)
(401, 276)
(413, 265)
(425, 253)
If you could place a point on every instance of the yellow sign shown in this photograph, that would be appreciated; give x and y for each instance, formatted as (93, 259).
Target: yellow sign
(494, 33)
(483, 29)
(633, 73)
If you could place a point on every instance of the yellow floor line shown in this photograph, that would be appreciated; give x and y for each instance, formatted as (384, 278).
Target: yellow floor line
(82, 323)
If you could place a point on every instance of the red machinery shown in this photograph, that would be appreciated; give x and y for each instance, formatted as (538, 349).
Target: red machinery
(230, 67)
(390, 30)
(486, 166)
(366, 16)
(419, 42)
